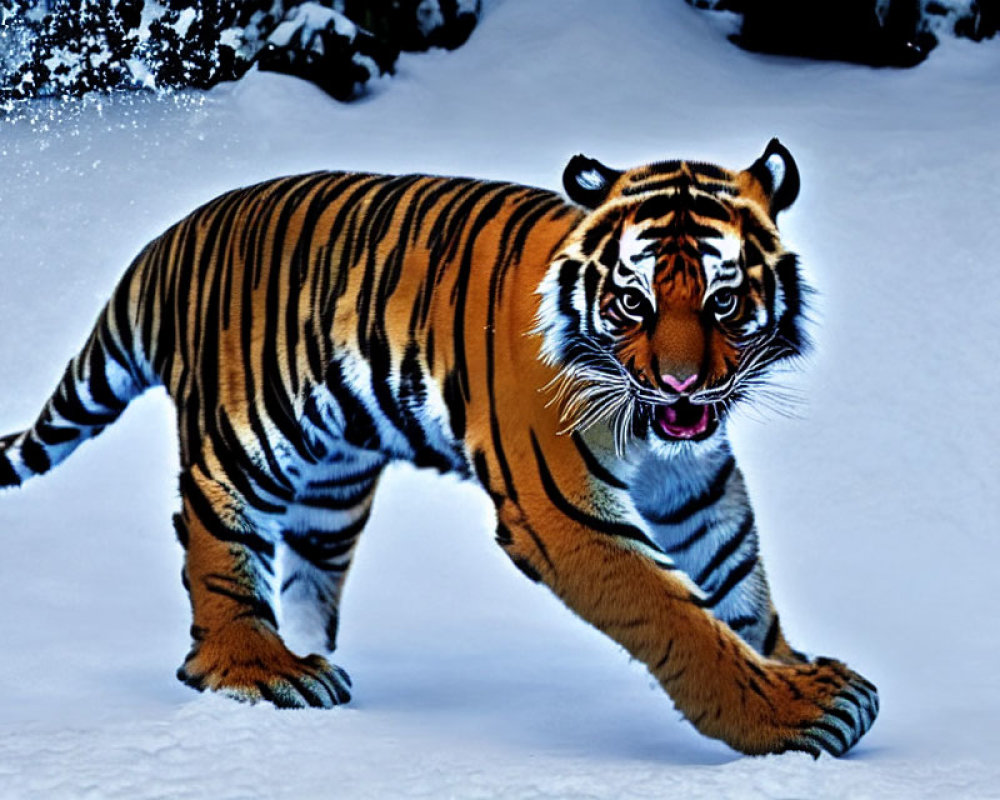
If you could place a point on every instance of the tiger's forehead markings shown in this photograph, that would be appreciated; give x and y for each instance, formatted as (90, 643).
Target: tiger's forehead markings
(676, 174)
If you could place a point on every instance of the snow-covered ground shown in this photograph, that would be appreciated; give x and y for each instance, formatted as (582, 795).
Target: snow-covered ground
(878, 507)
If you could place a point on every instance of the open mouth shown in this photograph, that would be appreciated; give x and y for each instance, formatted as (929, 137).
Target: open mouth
(685, 421)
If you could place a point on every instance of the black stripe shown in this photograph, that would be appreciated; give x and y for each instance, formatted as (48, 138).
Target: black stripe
(318, 428)
(723, 553)
(379, 209)
(507, 252)
(771, 639)
(683, 227)
(660, 168)
(159, 302)
(663, 661)
(257, 606)
(343, 481)
(150, 296)
(455, 404)
(378, 351)
(100, 389)
(298, 270)
(740, 572)
(315, 347)
(526, 568)
(789, 325)
(460, 291)
(278, 404)
(278, 370)
(344, 227)
(705, 205)
(706, 248)
(206, 515)
(591, 282)
(560, 501)
(658, 206)
(597, 469)
(55, 434)
(569, 274)
(716, 489)
(741, 622)
(34, 457)
(596, 234)
(318, 547)
(505, 539)
(504, 536)
(703, 170)
(447, 230)
(609, 254)
(7, 475)
(66, 402)
(308, 694)
(360, 428)
(268, 694)
(443, 188)
(834, 731)
(697, 535)
(546, 202)
(436, 238)
(180, 528)
(540, 545)
(230, 443)
(337, 503)
(412, 399)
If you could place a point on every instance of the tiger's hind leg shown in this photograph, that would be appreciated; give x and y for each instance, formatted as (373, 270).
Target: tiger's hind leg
(229, 573)
(320, 535)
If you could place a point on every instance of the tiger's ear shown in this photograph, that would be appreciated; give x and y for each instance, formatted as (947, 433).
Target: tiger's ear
(778, 175)
(587, 181)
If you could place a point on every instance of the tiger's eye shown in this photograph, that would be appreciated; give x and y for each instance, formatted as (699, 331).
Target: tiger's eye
(724, 302)
(631, 301)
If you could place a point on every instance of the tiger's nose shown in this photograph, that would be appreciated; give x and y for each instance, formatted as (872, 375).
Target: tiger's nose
(677, 384)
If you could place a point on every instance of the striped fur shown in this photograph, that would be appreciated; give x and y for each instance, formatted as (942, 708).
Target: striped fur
(576, 359)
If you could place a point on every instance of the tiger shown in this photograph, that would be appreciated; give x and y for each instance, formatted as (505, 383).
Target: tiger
(578, 355)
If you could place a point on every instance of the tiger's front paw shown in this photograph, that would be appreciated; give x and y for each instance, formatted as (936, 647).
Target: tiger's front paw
(846, 711)
(774, 707)
(252, 664)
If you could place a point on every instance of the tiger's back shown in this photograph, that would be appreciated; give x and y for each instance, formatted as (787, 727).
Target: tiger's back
(283, 303)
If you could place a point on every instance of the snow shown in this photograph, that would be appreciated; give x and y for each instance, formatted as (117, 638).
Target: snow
(305, 20)
(876, 506)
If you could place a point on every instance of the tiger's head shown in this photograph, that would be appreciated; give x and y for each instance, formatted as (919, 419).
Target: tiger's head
(673, 297)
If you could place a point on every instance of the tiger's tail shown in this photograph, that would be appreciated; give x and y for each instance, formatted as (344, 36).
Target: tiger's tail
(97, 385)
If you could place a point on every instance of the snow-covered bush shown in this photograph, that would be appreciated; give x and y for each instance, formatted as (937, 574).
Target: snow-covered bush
(51, 47)
(877, 32)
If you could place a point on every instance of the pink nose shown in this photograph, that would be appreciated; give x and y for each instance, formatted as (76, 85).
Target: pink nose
(678, 385)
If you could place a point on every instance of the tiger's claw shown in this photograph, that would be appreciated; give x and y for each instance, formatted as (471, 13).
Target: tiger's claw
(848, 715)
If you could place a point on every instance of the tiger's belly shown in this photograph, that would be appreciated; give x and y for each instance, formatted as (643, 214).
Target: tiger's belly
(403, 418)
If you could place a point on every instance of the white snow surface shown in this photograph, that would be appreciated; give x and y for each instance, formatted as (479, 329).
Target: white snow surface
(877, 506)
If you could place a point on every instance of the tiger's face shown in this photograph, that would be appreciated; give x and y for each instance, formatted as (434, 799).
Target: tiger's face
(673, 297)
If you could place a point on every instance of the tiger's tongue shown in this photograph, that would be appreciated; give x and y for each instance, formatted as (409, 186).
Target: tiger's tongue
(683, 421)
